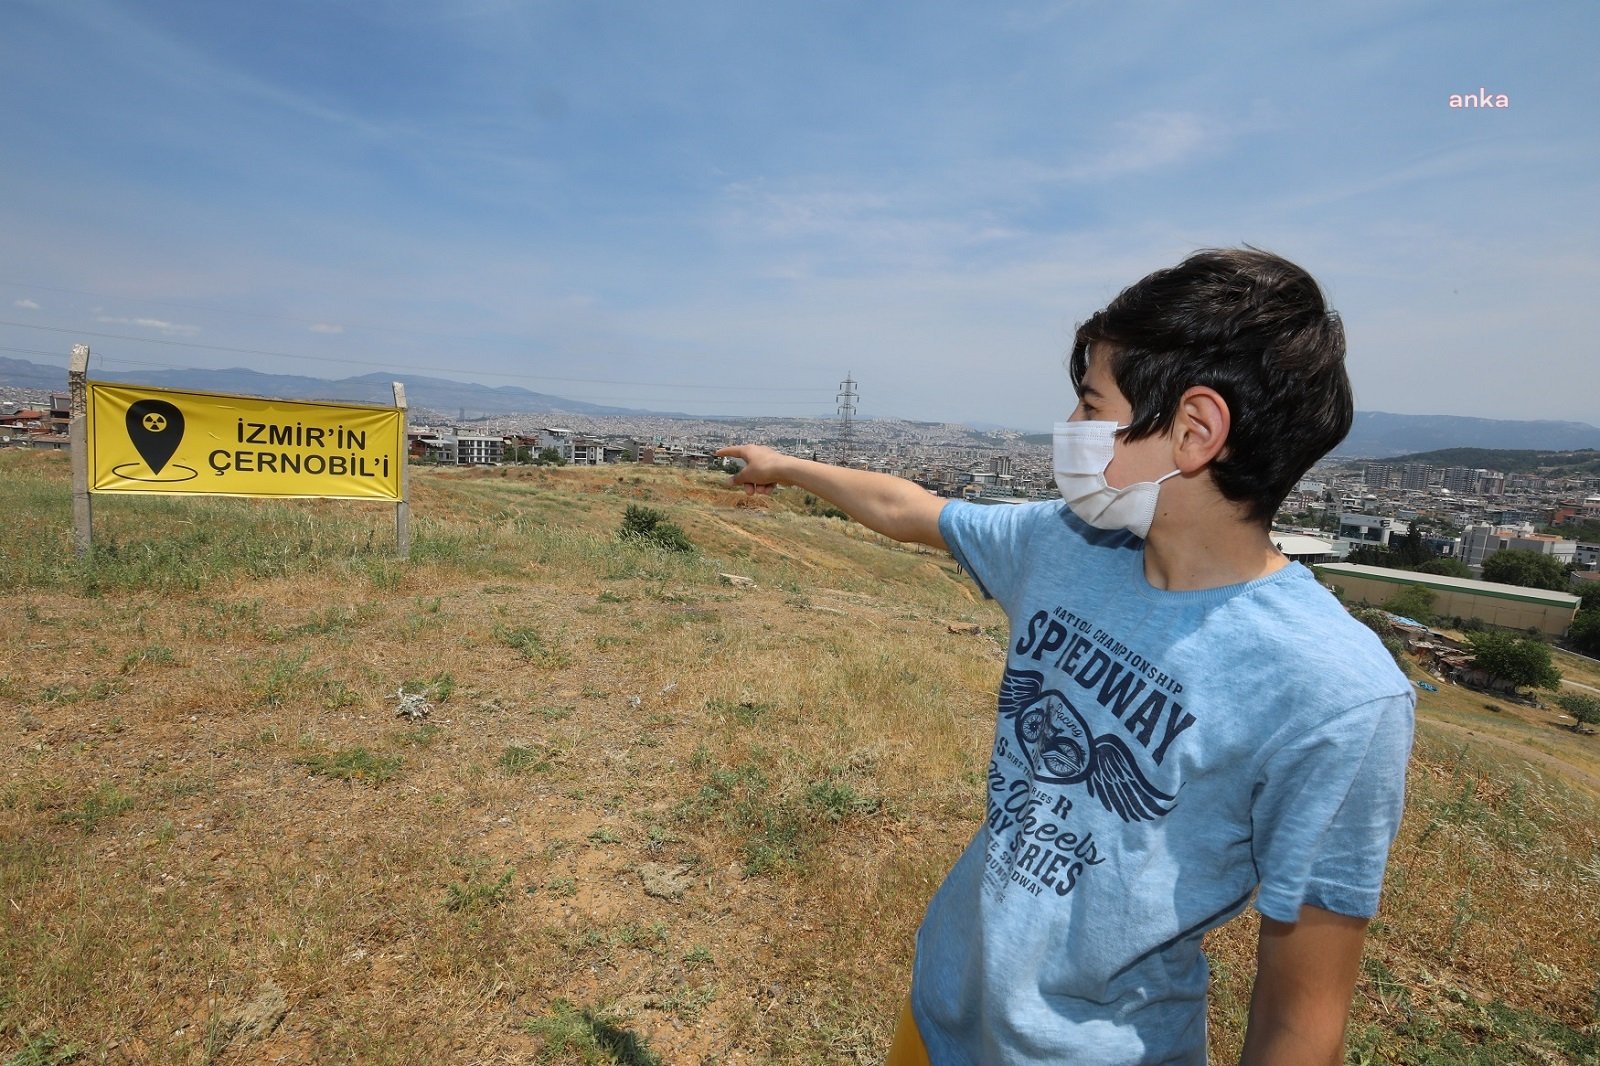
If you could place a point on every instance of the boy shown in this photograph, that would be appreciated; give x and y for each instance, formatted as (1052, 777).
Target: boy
(1186, 719)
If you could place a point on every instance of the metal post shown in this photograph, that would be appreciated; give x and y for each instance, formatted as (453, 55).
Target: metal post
(78, 441)
(402, 510)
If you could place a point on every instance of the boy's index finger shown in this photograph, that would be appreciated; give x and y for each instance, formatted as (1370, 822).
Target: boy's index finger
(737, 454)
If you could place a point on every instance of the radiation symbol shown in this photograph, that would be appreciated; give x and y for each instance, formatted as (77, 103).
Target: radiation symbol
(155, 429)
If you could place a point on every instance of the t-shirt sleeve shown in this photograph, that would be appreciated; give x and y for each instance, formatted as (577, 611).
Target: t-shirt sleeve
(989, 541)
(1327, 808)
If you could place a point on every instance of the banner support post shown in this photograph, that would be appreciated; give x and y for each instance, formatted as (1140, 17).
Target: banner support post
(78, 443)
(402, 509)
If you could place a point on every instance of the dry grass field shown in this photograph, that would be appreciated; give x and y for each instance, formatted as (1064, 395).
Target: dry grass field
(650, 816)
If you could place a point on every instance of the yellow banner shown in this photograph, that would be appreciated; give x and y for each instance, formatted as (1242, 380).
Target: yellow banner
(144, 439)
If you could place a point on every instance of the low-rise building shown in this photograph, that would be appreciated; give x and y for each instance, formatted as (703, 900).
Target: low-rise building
(1507, 606)
(1306, 549)
(1367, 530)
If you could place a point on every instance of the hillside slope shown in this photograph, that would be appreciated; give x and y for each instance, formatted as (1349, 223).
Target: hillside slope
(650, 816)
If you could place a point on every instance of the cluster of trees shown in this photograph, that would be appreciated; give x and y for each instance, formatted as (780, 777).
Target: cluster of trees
(1409, 553)
(522, 453)
(1522, 662)
(1529, 569)
(1584, 634)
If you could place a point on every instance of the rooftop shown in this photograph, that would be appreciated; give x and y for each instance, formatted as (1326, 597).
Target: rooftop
(1452, 584)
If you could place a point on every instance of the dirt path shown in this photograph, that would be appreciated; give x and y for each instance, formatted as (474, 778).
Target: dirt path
(1576, 774)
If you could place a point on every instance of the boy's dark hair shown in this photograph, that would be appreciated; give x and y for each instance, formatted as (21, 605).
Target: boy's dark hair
(1252, 326)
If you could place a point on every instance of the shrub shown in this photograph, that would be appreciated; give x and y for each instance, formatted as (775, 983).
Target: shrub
(648, 525)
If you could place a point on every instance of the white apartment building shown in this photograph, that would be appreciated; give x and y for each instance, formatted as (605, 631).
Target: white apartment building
(1481, 541)
(1367, 531)
(477, 450)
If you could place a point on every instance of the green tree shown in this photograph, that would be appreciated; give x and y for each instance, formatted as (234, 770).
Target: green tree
(1585, 710)
(1530, 569)
(551, 457)
(1409, 551)
(1589, 593)
(1414, 602)
(1445, 566)
(1371, 555)
(1518, 661)
(1375, 620)
(1584, 633)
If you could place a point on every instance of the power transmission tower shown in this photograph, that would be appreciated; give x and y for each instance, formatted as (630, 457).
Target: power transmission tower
(847, 413)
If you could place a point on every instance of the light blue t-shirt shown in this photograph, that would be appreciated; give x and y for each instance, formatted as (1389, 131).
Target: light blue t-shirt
(1159, 758)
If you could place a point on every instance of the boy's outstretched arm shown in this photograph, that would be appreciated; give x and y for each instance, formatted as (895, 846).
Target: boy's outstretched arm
(890, 505)
(1305, 975)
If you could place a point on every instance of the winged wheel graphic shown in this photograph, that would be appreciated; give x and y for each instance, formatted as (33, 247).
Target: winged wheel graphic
(1062, 749)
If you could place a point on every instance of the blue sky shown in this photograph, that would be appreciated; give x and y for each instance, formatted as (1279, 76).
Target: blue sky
(724, 208)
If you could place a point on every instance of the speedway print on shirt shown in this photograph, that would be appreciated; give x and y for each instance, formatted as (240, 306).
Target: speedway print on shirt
(1078, 729)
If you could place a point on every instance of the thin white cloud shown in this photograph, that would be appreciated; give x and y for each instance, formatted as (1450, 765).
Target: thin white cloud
(27, 304)
(326, 327)
(171, 329)
(1150, 141)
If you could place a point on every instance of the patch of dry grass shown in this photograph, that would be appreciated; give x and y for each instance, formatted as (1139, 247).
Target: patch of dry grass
(649, 816)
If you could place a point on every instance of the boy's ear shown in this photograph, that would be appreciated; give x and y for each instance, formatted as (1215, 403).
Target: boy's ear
(1202, 423)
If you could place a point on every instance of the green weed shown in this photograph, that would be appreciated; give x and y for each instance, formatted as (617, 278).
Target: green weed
(155, 655)
(745, 712)
(437, 688)
(283, 674)
(519, 760)
(594, 1036)
(106, 802)
(353, 764)
(532, 646)
(836, 802)
(46, 1049)
(475, 893)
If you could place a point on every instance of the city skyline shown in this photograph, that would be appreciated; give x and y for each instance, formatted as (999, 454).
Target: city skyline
(716, 209)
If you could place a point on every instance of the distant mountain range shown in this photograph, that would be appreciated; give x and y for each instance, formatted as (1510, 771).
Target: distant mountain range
(1376, 434)
(433, 394)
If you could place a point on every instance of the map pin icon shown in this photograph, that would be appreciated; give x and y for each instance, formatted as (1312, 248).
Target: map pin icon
(155, 427)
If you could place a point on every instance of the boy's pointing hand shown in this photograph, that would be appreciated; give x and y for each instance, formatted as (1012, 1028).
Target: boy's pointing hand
(760, 472)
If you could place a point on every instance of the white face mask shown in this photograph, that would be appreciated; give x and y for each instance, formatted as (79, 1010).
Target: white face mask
(1083, 451)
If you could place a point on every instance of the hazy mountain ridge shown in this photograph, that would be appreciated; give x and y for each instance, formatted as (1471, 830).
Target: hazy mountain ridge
(1379, 433)
(1374, 434)
(438, 394)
